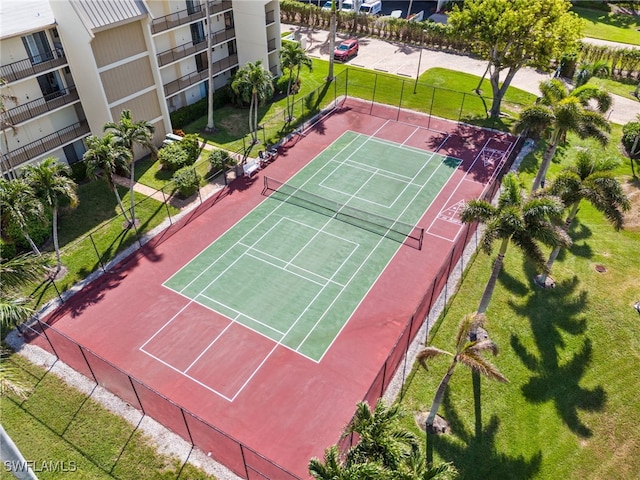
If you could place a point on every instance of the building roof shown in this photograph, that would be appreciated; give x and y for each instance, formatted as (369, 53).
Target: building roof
(22, 16)
(96, 14)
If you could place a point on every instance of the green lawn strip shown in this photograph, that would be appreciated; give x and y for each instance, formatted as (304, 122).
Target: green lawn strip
(58, 423)
(610, 26)
(618, 88)
(568, 411)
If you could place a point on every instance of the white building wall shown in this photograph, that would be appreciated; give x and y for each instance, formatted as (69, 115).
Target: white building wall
(251, 32)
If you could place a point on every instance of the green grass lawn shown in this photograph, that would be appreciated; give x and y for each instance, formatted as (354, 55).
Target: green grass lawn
(618, 88)
(57, 423)
(610, 26)
(572, 355)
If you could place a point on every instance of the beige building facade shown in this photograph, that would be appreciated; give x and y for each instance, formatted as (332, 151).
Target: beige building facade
(70, 66)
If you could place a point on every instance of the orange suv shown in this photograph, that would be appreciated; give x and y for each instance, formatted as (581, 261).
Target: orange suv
(346, 50)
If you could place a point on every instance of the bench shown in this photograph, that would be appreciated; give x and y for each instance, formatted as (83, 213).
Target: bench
(250, 167)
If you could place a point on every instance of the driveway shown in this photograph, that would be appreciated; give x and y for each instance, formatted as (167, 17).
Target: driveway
(401, 59)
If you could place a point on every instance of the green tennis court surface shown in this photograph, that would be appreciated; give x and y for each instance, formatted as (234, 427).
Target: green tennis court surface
(293, 272)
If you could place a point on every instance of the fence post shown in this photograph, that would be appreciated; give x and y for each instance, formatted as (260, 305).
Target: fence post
(166, 205)
(433, 96)
(97, 253)
(400, 102)
(464, 95)
(40, 322)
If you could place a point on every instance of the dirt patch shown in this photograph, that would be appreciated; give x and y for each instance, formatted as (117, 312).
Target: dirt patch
(236, 123)
(632, 217)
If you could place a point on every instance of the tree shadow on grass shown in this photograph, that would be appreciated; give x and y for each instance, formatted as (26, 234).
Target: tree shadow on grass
(550, 313)
(476, 455)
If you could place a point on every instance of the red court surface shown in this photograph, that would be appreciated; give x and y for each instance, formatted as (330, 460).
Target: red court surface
(265, 396)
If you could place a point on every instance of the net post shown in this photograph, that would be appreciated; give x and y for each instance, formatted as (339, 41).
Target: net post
(421, 237)
(265, 188)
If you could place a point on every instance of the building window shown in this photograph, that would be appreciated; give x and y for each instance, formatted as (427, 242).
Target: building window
(193, 6)
(50, 85)
(37, 46)
(232, 47)
(201, 61)
(197, 33)
(228, 20)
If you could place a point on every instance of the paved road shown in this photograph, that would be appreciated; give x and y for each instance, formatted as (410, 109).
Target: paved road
(403, 60)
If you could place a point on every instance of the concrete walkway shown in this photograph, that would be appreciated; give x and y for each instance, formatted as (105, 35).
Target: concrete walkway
(408, 61)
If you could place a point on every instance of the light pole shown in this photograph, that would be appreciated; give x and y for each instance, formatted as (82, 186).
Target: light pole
(415, 85)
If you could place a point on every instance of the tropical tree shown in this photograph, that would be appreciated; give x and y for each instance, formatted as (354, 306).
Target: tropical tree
(253, 85)
(6, 124)
(334, 468)
(559, 112)
(20, 206)
(515, 33)
(293, 58)
(128, 134)
(51, 183)
(518, 219)
(381, 439)
(592, 180)
(468, 352)
(16, 273)
(588, 70)
(103, 155)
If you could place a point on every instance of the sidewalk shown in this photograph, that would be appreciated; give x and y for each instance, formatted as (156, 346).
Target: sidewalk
(401, 59)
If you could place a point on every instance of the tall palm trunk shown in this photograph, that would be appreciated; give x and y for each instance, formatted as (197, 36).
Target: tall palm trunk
(132, 182)
(254, 131)
(435, 406)
(493, 279)
(124, 211)
(332, 40)
(289, 101)
(56, 246)
(542, 278)
(546, 160)
(210, 125)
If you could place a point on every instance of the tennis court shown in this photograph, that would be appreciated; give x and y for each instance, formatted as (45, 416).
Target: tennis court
(296, 267)
(252, 326)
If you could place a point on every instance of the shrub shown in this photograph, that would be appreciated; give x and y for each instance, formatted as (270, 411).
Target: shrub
(39, 231)
(186, 181)
(173, 157)
(7, 249)
(79, 171)
(629, 133)
(190, 113)
(220, 159)
(191, 145)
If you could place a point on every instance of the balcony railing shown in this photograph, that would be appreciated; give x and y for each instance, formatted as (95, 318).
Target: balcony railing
(42, 105)
(197, 77)
(270, 17)
(46, 144)
(183, 16)
(32, 66)
(189, 49)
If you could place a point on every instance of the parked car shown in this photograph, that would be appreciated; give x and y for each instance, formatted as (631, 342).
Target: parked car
(371, 7)
(346, 50)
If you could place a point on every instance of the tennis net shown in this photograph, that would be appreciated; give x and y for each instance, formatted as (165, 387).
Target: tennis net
(394, 229)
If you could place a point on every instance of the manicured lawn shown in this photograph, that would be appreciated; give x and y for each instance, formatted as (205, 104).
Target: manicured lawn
(56, 423)
(572, 355)
(618, 88)
(610, 26)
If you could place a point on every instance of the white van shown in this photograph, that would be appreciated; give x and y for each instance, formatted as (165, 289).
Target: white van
(371, 7)
(347, 6)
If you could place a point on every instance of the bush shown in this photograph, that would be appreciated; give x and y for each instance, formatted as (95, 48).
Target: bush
(629, 133)
(280, 84)
(185, 115)
(220, 159)
(39, 231)
(186, 181)
(79, 171)
(7, 249)
(173, 157)
(191, 145)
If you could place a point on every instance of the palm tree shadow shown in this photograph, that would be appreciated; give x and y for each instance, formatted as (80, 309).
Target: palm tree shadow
(552, 313)
(476, 456)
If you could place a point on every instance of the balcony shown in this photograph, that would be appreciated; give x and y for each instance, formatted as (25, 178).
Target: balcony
(33, 66)
(194, 78)
(189, 49)
(270, 17)
(46, 144)
(183, 16)
(271, 45)
(42, 105)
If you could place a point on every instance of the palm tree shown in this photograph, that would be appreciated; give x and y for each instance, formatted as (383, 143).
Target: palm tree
(587, 70)
(103, 155)
(333, 468)
(253, 84)
(592, 180)
(381, 439)
(51, 183)
(561, 111)
(6, 124)
(20, 205)
(128, 134)
(17, 273)
(293, 57)
(468, 352)
(525, 221)
(332, 39)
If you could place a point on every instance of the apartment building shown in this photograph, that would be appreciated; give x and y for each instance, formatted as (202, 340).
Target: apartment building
(70, 66)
